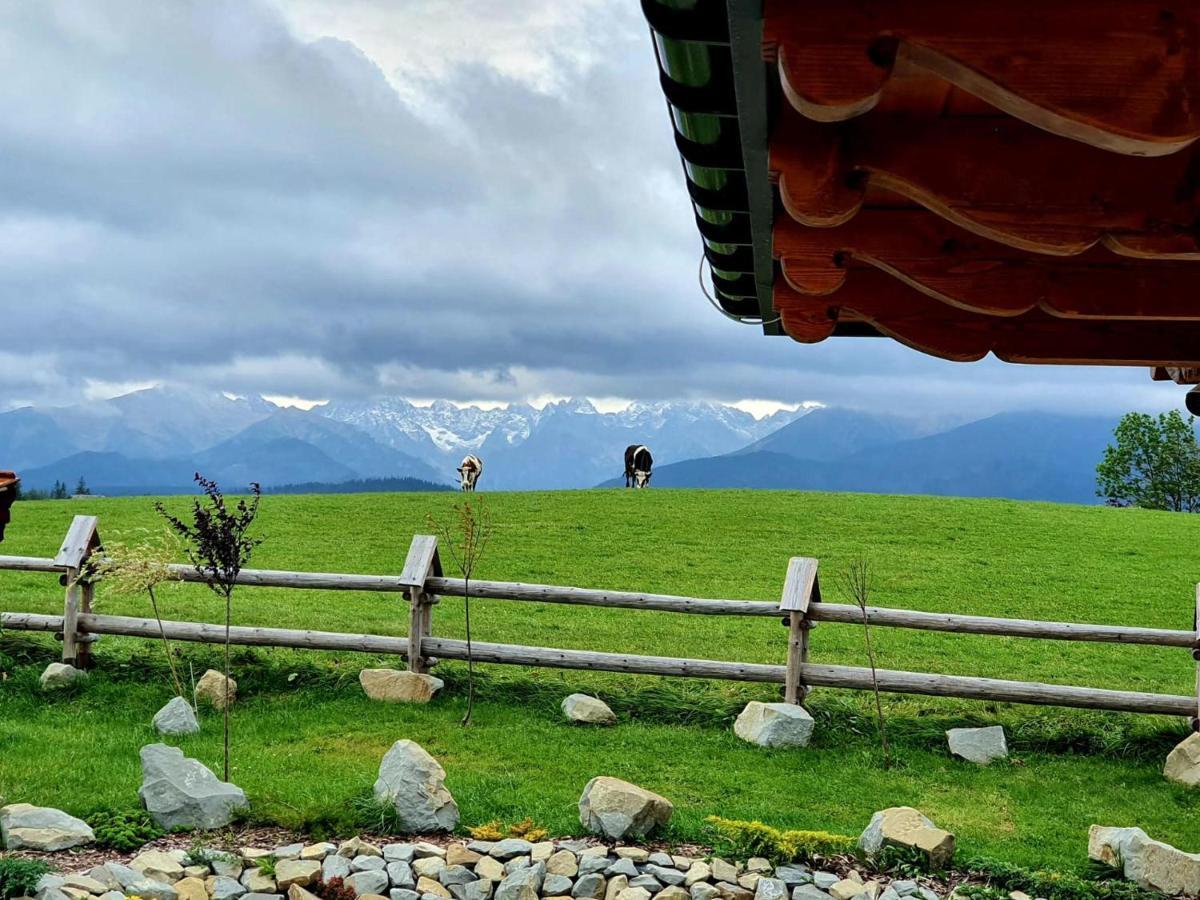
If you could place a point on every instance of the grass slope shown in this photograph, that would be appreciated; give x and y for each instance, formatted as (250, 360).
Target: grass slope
(307, 744)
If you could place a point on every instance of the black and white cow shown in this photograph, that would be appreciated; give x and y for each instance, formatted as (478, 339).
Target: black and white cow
(9, 484)
(638, 463)
(469, 471)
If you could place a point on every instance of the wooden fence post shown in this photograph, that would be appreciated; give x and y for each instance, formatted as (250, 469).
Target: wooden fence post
(83, 538)
(423, 562)
(800, 588)
(1196, 657)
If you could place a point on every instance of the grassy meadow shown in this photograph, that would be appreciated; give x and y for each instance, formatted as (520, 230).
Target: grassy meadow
(307, 744)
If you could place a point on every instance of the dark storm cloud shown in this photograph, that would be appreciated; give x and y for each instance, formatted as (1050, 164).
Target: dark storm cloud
(436, 199)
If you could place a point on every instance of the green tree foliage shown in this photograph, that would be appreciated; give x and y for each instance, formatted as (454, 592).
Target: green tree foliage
(81, 488)
(59, 492)
(1155, 463)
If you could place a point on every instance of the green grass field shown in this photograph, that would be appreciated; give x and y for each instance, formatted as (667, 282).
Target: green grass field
(307, 744)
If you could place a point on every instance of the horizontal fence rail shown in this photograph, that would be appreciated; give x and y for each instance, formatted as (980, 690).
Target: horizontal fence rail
(422, 581)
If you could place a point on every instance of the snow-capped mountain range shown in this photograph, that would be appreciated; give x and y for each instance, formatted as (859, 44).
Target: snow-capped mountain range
(152, 440)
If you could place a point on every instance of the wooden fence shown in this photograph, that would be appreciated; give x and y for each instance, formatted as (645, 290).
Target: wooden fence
(422, 581)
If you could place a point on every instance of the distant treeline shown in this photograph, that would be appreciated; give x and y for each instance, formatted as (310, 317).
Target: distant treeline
(359, 486)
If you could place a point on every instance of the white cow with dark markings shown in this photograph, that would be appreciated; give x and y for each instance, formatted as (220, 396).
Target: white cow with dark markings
(638, 466)
(469, 471)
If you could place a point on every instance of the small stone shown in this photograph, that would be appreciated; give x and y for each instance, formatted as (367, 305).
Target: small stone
(200, 872)
(400, 875)
(590, 886)
(846, 889)
(428, 887)
(509, 848)
(774, 724)
(926, 893)
(541, 851)
(637, 854)
(825, 880)
(622, 867)
(318, 851)
(428, 866)
(1183, 763)
(296, 892)
(734, 892)
(490, 868)
(978, 745)
(251, 854)
(157, 866)
(104, 876)
(258, 882)
(615, 885)
(399, 685)
(517, 862)
(288, 851)
(659, 858)
(371, 881)
(674, 892)
(215, 689)
(225, 888)
(74, 893)
(335, 866)
(633, 893)
(403, 894)
(649, 882)
(587, 710)
(749, 880)
(298, 871)
(148, 889)
(556, 885)
(770, 889)
(450, 875)
(398, 852)
(758, 864)
(364, 863)
(619, 810)
(459, 855)
(904, 888)
(1018, 895)
(480, 847)
(809, 892)
(180, 792)
(112, 895)
(191, 889)
(563, 862)
(27, 827)
(590, 864)
(251, 895)
(60, 675)
(523, 884)
(597, 850)
(699, 871)
(666, 875)
(356, 846)
(414, 783)
(86, 883)
(793, 875)
(422, 849)
(682, 863)
(480, 889)
(904, 826)
(723, 871)
(703, 891)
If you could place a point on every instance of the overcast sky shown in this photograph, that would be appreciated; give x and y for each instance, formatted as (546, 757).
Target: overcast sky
(466, 199)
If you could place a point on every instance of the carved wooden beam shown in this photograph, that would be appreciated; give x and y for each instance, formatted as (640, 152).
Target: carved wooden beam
(973, 273)
(932, 327)
(1123, 76)
(996, 177)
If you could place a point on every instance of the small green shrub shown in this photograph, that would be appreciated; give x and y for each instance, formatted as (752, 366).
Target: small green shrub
(745, 839)
(266, 864)
(199, 855)
(19, 877)
(123, 829)
(1004, 877)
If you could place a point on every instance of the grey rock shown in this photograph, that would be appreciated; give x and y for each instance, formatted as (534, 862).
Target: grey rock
(809, 892)
(177, 717)
(124, 875)
(588, 710)
(770, 889)
(414, 783)
(589, 865)
(484, 847)
(403, 894)
(400, 874)
(60, 675)
(556, 885)
(398, 852)
(27, 827)
(51, 882)
(288, 851)
(904, 888)
(103, 875)
(927, 893)
(889, 894)
(702, 890)
(667, 875)
(649, 882)
(227, 864)
(148, 889)
(620, 867)
(367, 863)
(1149, 863)
(113, 895)
(252, 895)
(659, 858)
(53, 893)
(455, 875)
(589, 886)
(793, 875)
(424, 849)
(573, 846)
(620, 810)
(180, 792)
(335, 866)
(517, 862)
(431, 896)
(774, 724)
(428, 866)
(978, 745)
(226, 888)
(523, 884)
(371, 881)
(825, 880)
(510, 847)
(478, 890)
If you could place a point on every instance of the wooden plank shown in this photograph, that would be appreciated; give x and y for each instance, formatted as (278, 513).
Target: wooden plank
(1122, 76)
(70, 630)
(800, 588)
(550, 593)
(798, 584)
(995, 177)
(422, 561)
(962, 269)
(29, 564)
(81, 538)
(83, 642)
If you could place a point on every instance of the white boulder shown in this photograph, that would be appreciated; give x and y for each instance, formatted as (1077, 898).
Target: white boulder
(399, 686)
(774, 724)
(620, 810)
(978, 745)
(1183, 763)
(27, 827)
(588, 710)
(414, 783)
(177, 717)
(180, 792)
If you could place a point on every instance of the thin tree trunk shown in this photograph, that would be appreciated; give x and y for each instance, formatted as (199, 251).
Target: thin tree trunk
(470, 656)
(225, 687)
(166, 643)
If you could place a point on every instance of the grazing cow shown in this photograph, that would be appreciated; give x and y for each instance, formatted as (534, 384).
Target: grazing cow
(9, 483)
(638, 463)
(469, 472)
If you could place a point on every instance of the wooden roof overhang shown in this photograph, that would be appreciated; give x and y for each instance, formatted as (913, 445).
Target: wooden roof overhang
(1018, 178)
